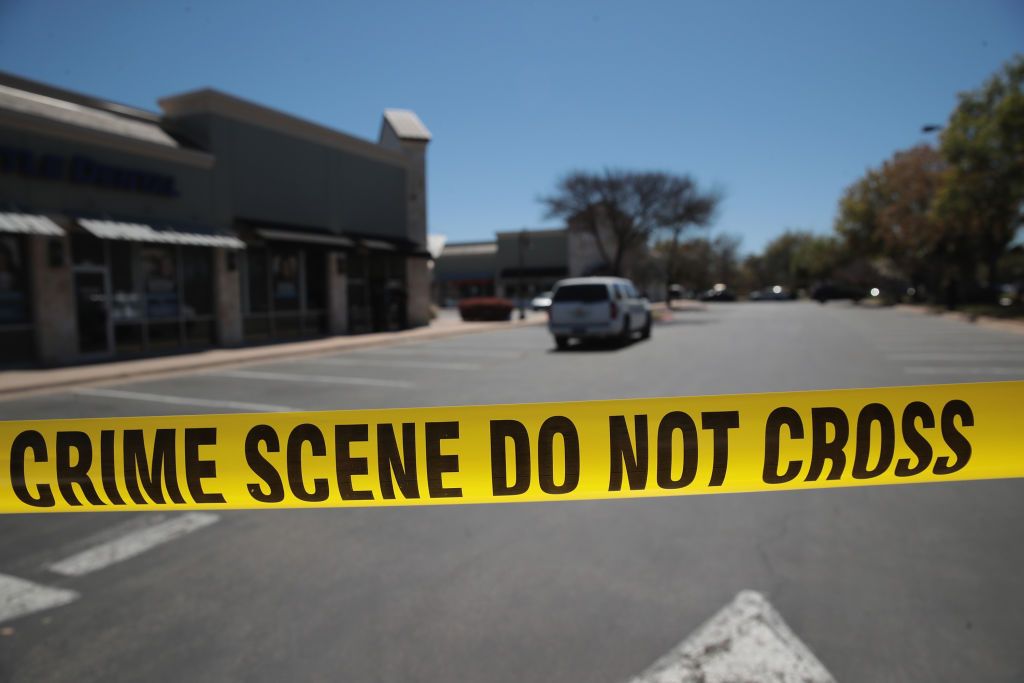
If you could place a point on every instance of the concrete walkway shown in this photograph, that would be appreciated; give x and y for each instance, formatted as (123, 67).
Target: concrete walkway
(18, 383)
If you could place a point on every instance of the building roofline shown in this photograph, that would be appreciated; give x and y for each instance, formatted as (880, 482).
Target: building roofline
(39, 88)
(210, 100)
(533, 231)
(472, 243)
(406, 125)
(91, 136)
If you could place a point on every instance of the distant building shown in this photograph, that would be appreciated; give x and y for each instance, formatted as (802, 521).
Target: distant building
(465, 269)
(518, 263)
(218, 221)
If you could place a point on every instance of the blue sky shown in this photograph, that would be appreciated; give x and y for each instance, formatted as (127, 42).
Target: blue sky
(780, 104)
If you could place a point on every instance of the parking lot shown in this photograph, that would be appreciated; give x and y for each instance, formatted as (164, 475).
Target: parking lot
(891, 583)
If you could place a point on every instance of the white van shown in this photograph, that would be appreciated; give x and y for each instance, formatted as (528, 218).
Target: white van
(597, 307)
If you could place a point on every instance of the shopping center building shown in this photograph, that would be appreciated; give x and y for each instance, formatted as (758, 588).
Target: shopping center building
(517, 264)
(215, 222)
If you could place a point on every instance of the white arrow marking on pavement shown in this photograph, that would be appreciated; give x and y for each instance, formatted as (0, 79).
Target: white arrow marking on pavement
(135, 542)
(19, 597)
(746, 641)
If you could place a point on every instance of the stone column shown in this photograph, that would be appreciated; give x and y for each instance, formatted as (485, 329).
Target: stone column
(417, 284)
(53, 299)
(337, 292)
(227, 296)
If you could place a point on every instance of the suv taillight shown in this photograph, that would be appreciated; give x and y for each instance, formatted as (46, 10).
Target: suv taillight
(614, 310)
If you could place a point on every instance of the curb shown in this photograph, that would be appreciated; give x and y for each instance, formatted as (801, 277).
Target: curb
(36, 383)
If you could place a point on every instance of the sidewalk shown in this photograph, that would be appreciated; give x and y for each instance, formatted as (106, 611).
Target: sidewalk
(17, 383)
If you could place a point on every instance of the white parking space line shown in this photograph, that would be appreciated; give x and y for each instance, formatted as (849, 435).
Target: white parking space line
(950, 348)
(461, 353)
(182, 400)
(958, 356)
(314, 379)
(991, 371)
(19, 597)
(134, 542)
(746, 640)
(391, 363)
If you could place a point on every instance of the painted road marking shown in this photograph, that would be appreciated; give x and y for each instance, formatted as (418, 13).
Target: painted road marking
(473, 353)
(158, 530)
(391, 363)
(314, 379)
(183, 400)
(995, 371)
(19, 597)
(947, 345)
(968, 356)
(746, 641)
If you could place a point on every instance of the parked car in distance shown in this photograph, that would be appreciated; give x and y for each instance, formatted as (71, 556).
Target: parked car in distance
(718, 293)
(775, 293)
(829, 292)
(597, 308)
(541, 302)
(486, 308)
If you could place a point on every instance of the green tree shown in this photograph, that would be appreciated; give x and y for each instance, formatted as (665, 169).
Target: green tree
(888, 213)
(797, 259)
(702, 262)
(982, 193)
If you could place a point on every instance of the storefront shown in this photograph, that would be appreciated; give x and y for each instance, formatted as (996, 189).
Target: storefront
(126, 233)
(139, 290)
(16, 320)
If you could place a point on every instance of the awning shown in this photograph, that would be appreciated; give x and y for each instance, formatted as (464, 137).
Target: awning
(29, 224)
(142, 232)
(305, 237)
(378, 245)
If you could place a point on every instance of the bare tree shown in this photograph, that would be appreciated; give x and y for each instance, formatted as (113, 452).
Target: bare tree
(624, 210)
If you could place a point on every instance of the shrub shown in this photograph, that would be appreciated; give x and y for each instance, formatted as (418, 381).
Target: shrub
(486, 308)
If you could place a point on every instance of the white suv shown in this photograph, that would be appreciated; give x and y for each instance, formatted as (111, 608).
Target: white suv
(597, 307)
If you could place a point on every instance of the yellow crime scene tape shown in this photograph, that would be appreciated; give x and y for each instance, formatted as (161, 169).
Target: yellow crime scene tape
(509, 453)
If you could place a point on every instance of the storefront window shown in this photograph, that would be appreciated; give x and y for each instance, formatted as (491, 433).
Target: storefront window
(126, 303)
(285, 279)
(14, 300)
(256, 260)
(87, 250)
(159, 267)
(316, 280)
(197, 274)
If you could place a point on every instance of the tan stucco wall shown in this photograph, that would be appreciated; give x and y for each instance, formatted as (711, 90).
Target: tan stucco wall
(337, 293)
(228, 298)
(53, 302)
(417, 279)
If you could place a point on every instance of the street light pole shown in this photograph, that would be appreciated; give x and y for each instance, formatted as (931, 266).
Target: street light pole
(524, 241)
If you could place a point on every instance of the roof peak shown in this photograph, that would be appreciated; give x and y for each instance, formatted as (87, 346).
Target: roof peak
(406, 125)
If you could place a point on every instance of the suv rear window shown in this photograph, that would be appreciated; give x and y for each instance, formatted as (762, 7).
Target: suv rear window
(581, 293)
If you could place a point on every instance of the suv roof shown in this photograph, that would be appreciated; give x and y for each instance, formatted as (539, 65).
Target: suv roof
(593, 281)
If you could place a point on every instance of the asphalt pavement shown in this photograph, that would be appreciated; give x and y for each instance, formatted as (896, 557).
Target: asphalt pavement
(908, 583)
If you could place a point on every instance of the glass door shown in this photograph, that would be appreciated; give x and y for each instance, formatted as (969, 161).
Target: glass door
(92, 297)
